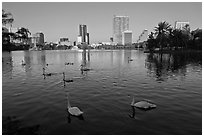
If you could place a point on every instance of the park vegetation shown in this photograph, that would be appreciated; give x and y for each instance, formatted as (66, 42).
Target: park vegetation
(9, 38)
(166, 38)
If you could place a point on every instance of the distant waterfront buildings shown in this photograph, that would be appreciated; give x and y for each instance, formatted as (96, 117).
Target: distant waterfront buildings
(83, 36)
(79, 40)
(64, 41)
(13, 30)
(181, 24)
(120, 24)
(38, 38)
(127, 37)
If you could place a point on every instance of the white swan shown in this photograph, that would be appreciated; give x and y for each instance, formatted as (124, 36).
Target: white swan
(75, 111)
(146, 105)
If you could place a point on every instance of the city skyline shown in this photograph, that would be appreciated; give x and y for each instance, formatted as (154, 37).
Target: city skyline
(120, 24)
(57, 20)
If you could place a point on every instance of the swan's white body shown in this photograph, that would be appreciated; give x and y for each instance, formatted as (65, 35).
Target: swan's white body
(75, 111)
(143, 104)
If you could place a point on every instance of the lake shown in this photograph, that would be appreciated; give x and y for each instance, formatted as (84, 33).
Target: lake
(34, 104)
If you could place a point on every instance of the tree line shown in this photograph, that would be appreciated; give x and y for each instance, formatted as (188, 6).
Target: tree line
(22, 34)
(165, 37)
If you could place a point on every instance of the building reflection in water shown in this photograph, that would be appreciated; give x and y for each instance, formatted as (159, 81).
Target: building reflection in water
(163, 66)
(28, 57)
(127, 54)
(7, 63)
(43, 59)
(85, 63)
(86, 58)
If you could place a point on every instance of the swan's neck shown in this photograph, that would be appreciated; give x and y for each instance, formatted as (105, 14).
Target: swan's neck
(43, 71)
(64, 78)
(133, 100)
(68, 103)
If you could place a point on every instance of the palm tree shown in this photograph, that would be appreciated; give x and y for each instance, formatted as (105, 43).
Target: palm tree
(7, 18)
(176, 38)
(162, 33)
(23, 34)
(151, 42)
(197, 39)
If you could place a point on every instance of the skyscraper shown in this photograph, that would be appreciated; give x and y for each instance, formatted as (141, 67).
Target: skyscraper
(120, 24)
(87, 38)
(127, 37)
(83, 32)
(83, 36)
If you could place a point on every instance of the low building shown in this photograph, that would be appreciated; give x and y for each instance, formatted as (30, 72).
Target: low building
(64, 41)
(181, 24)
(127, 37)
(38, 38)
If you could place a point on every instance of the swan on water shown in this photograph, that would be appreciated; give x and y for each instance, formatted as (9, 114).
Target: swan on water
(69, 63)
(130, 59)
(66, 80)
(46, 74)
(145, 105)
(75, 111)
(23, 63)
(83, 68)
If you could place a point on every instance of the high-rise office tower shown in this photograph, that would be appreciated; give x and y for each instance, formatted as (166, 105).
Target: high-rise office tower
(83, 36)
(87, 38)
(83, 32)
(120, 24)
(127, 37)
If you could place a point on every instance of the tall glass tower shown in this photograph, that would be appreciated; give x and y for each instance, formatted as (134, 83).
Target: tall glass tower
(83, 32)
(83, 36)
(120, 24)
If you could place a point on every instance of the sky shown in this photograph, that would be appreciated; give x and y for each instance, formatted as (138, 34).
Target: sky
(62, 19)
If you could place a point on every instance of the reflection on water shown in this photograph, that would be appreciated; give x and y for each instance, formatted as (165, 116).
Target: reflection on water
(165, 65)
(172, 81)
(14, 126)
(69, 118)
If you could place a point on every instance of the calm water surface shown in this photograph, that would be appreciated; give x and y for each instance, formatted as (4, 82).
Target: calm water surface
(34, 104)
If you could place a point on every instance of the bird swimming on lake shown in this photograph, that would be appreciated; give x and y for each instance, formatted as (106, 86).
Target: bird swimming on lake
(23, 63)
(75, 111)
(69, 63)
(130, 59)
(83, 68)
(46, 74)
(144, 105)
(66, 80)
